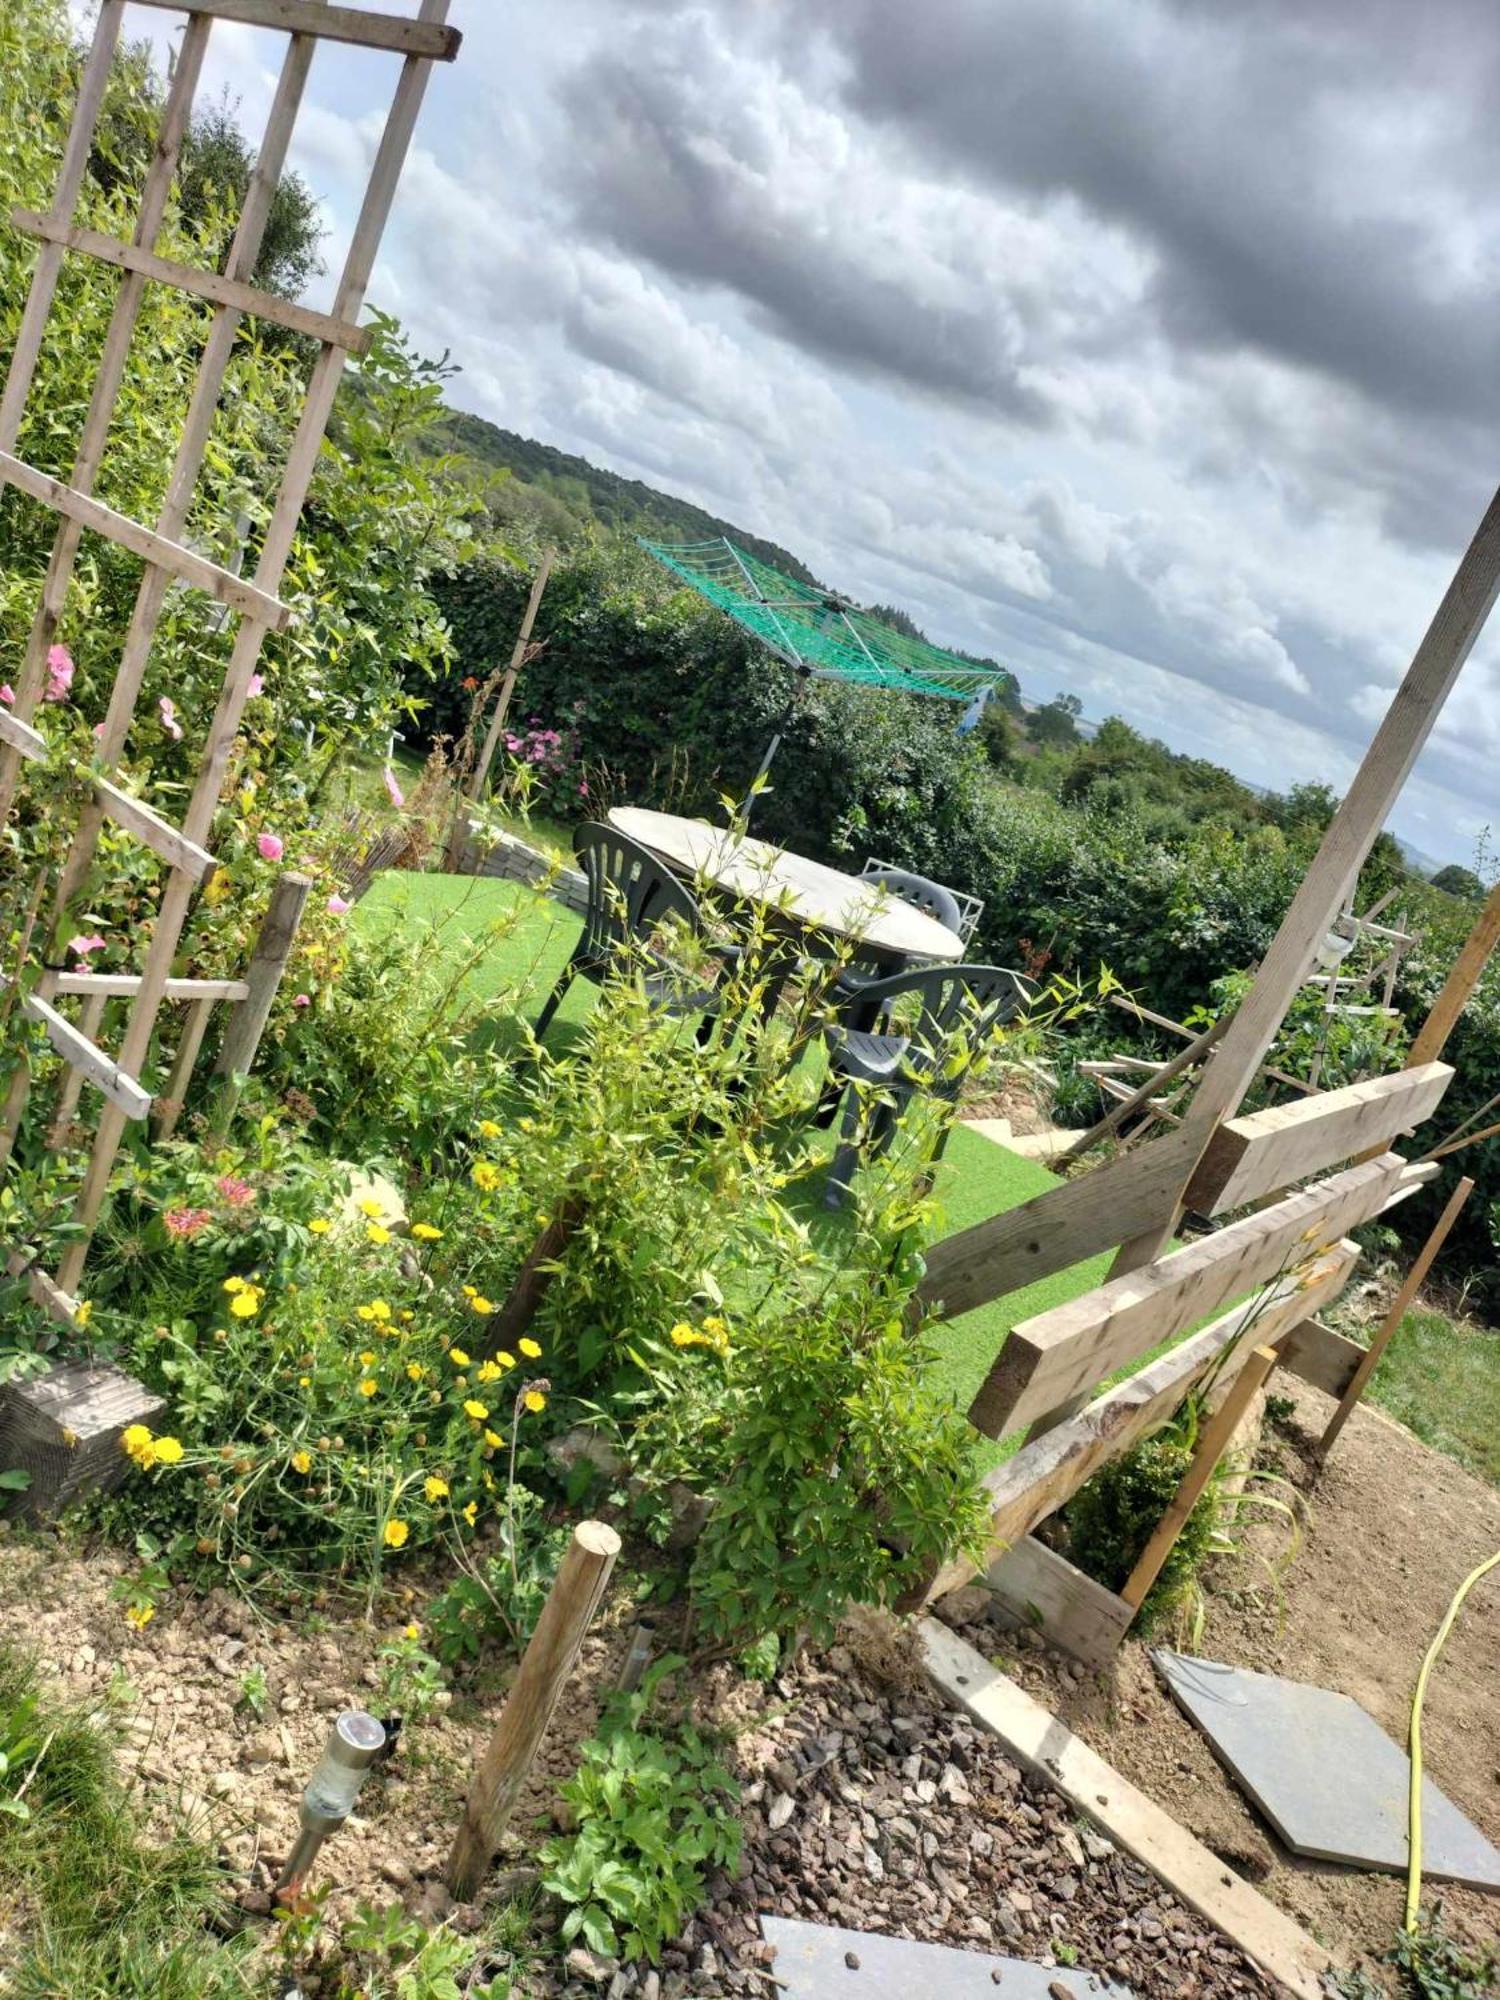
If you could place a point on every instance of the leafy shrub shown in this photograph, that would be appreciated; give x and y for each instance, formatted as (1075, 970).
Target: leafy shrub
(651, 1819)
(1111, 1519)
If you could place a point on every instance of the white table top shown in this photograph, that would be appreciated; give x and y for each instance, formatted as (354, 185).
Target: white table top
(816, 897)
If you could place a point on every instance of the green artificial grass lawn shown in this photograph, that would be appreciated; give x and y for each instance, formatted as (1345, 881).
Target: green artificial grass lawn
(523, 940)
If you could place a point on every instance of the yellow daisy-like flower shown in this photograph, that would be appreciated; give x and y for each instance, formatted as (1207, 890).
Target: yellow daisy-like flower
(683, 1335)
(494, 1440)
(530, 1349)
(480, 1304)
(505, 1360)
(406, 1316)
(425, 1233)
(396, 1533)
(139, 1615)
(246, 1304)
(527, 1124)
(378, 1310)
(166, 1451)
(488, 1129)
(233, 1285)
(304, 1381)
(485, 1176)
(302, 1461)
(368, 1386)
(469, 1291)
(477, 1410)
(415, 1371)
(457, 1356)
(376, 1232)
(135, 1442)
(471, 1512)
(371, 1208)
(535, 1401)
(413, 1631)
(319, 1226)
(83, 1312)
(488, 1372)
(435, 1488)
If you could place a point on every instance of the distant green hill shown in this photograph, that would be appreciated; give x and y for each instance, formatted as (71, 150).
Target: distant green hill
(564, 494)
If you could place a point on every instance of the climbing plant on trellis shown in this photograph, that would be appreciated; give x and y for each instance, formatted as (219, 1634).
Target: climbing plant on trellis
(164, 554)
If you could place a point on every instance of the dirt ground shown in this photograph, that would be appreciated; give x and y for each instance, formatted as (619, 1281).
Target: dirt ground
(1393, 1529)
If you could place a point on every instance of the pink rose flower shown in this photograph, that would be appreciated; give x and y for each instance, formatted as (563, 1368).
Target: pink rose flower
(82, 946)
(7, 693)
(337, 905)
(303, 1000)
(60, 673)
(397, 797)
(270, 846)
(257, 686)
(169, 720)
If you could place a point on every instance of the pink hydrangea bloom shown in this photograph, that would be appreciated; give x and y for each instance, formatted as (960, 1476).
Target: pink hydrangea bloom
(238, 1193)
(337, 905)
(169, 720)
(270, 846)
(59, 673)
(397, 797)
(82, 946)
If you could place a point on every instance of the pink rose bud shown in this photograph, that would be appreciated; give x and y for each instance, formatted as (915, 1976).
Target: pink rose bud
(270, 846)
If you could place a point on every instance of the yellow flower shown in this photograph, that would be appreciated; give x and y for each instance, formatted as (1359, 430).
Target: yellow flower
(415, 1371)
(471, 1512)
(166, 1451)
(534, 1400)
(470, 1292)
(396, 1533)
(139, 1615)
(457, 1356)
(371, 1208)
(368, 1386)
(485, 1176)
(233, 1285)
(376, 1310)
(435, 1488)
(480, 1304)
(488, 1129)
(527, 1124)
(530, 1349)
(425, 1233)
(376, 1232)
(367, 1359)
(505, 1360)
(406, 1316)
(302, 1461)
(477, 1410)
(135, 1442)
(320, 1225)
(683, 1335)
(494, 1440)
(245, 1305)
(413, 1631)
(83, 1312)
(488, 1372)
(304, 1381)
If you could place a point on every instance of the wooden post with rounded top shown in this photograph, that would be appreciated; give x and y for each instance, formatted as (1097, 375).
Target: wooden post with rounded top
(545, 1667)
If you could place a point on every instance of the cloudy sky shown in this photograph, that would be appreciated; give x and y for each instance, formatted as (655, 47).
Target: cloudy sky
(1150, 346)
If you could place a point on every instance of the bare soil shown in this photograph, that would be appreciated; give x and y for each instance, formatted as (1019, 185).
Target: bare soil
(1393, 1529)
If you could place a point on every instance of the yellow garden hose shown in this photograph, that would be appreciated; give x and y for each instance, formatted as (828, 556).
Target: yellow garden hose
(1414, 1800)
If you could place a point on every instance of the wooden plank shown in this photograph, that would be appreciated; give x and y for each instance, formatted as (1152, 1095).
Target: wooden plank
(1213, 1442)
(145, 542)
(90, 1021)
(164, 840)
(1047, 1472)
(330, 24)
(55, 1302)
(125, 985)
(1043, 1589)
(169, 1104)
(1334, 872)
(80, 1053)
(1253, 1156)
(1065, 1351)
(21, 736)
(1196, 1876)
(1395, 1313)
(1458, 987)
(210, 285)
(1321, 1356)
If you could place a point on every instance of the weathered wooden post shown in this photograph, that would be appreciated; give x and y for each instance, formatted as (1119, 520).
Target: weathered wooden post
(548, 1661)
(278, 933)
(480, 774)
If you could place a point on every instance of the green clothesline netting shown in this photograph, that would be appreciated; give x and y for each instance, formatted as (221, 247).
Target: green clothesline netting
(809, 628)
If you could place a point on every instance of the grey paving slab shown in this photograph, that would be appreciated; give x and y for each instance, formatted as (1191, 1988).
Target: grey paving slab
(812, 1963)
(1324, 1773)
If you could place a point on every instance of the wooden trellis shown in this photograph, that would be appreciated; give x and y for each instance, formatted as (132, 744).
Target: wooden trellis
(185, 850)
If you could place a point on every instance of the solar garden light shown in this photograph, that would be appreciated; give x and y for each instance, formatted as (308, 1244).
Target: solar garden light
(353, 1745)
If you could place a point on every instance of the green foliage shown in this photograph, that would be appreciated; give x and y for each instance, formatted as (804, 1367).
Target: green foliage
(1458, 881)
(398, 1958)
(1111, 1519)
(499, 1596)
(650, 1821)
(1436, 1966)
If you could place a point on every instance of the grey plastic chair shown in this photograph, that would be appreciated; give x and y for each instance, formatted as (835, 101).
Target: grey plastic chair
(868, 967)
(632, 897)
(970, 908)
(957, 1003)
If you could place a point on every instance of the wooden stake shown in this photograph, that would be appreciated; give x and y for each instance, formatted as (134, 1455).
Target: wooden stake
(1459, 986)
(535, 1276)
(481, 771)
(263, 976)
(169, 1104)
(548, 1661)
(1212, 1441)
(1185, 1059)
(1398, 1311)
